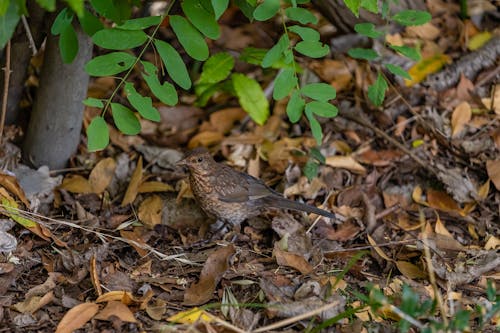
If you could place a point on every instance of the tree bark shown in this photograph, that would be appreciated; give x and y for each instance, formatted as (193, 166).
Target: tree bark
(56, 121)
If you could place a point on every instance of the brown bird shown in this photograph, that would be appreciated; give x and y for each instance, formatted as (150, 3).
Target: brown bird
(234, 196)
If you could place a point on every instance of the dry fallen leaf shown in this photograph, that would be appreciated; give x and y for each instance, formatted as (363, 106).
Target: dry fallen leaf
(293, 260)
(191, 316)
(460, 117)
(493, 170)
(345, 162)
(150, 211)
(133, 186)
(117, 309)
(76, 184)
(77, 317)
(102, 174)
(215, 266)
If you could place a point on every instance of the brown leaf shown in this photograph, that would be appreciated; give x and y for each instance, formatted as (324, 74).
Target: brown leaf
(223, 120)
(215, 266)
(34, 303)
(77, 317)
(102, 174)
(410, 270)
(460, 117)
(133, 186)
(137, 236)
(154, 186)
(11, 184)
(150, 211)
(205, 139)
(118, 309)
(76, 184)
(293, 260)
(442, 201)
(345, 162)
(493, 170)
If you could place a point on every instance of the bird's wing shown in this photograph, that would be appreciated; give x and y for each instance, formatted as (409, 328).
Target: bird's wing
(249, 188)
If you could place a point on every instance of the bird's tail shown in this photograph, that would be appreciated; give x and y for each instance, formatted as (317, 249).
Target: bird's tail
(280, 202)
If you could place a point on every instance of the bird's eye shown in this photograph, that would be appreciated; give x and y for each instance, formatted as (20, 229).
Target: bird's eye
(200, 159)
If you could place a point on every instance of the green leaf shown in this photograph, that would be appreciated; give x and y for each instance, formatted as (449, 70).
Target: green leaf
(201, 18)
(140, 23)
(4, 5)
(305, 33)
(316, 154)
(49, 5)
(8, 23)
(119, 39)
(368, 30)
(301, 15)
(165, 92)
(396, 70)
(322, 109)
(246, 8)
(266, 10)
(217, 68)
(174, 64)
(68, 44)
(407, 51)
(353, 6)
(360, 53)
(109, 64)
(90, 24)
(370, 5)
(284, 83)
(97, 134)
(319, 91)
(411, 17)
(376, 92)
(76, 6)
(315, 126)
(205, 91)
(312, 49)
(219, 7)
(251, 97)
(125, 119)
(144, 105)
(311, 169)
(274, 54)
(62, 21)
(117, 10)
(295, 107)
(93, 102)
(191, 40)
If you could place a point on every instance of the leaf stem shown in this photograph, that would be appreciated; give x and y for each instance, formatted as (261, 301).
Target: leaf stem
(137, 59)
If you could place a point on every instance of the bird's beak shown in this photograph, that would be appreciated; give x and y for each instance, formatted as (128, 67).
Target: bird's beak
(181, 163)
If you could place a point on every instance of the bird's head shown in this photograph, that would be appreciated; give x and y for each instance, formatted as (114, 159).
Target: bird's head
(198, 161)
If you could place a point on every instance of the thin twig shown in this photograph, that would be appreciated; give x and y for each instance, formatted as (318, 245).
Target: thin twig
(30, 36)
(6, 81)
(295, 319)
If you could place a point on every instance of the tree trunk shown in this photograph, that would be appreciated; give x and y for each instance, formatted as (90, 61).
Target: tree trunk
(56, 121)
(21, 54)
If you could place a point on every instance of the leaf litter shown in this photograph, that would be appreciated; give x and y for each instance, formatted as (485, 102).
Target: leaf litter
(114, 247)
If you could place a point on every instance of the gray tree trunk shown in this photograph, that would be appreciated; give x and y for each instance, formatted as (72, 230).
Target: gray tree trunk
(56, 121)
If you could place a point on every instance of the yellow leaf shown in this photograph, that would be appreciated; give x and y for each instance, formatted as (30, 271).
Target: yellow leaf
(133, 186)
(460, 116)
(417, 196)
(479, 40)
(11, 207)
(102, 174)
(424, 67)
(191, 316)
(492, 243)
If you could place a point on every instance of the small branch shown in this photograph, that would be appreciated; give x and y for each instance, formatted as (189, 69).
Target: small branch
(30, 36)
(6, 81)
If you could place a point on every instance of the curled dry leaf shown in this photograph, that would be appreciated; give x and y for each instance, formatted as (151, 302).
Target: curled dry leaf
(205, 139)
(460, 117)
(215, 266)
(102, 174)
(11, 184)
(77, 317)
